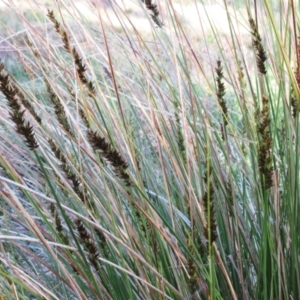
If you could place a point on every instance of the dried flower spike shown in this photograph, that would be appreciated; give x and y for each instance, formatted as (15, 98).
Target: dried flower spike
(110, 154)
(260, 50)
(80, 66)
(221, 91)
(154, 13)
(11, 93)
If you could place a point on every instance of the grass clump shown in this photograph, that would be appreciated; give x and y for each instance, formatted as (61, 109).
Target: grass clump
(146, 163)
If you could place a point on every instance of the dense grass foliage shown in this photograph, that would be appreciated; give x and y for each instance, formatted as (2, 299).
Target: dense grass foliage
(150, 163)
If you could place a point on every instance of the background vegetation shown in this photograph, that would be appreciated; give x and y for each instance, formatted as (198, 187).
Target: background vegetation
(149, 151)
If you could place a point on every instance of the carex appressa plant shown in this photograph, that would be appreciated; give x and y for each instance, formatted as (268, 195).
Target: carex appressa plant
(117, 180)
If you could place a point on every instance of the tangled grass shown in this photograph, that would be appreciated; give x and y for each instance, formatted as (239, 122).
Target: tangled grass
(149, 165)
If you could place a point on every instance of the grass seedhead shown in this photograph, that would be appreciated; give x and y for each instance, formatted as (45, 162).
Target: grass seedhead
(261, 56)
(12, 94)
(154, 13)
(114, 157)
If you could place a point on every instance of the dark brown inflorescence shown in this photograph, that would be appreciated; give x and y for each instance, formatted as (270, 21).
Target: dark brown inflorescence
(261, 55)
(110, 154)
(16, 113)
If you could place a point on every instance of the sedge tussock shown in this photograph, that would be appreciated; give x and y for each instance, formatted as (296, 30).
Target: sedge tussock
(117, 180)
